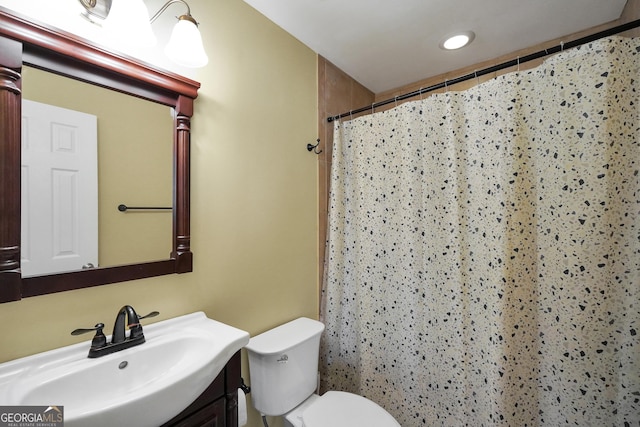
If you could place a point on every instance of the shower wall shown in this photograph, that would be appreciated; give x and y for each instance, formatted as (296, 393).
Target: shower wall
(337, 93)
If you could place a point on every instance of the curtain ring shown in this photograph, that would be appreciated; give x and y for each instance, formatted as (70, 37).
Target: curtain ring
(561, 46)
(420, 94)
(350, 114)
(475, 73)
(396, 99)
(373, 108)
(446, 88)
(518, 64)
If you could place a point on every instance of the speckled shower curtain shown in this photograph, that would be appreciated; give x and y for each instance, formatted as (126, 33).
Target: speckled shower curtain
(483, 257)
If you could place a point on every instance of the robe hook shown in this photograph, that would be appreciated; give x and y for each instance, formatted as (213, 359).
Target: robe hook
(311, 147)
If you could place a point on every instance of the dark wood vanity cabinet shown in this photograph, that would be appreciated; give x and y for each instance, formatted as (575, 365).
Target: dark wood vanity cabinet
(217, 406)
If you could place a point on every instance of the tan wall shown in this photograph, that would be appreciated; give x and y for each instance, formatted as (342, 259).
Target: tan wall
(630, 13)
(254, 198)
(337, 93)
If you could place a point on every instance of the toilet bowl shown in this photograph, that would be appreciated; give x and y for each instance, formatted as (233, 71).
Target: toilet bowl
(283, 364)
(340, 409)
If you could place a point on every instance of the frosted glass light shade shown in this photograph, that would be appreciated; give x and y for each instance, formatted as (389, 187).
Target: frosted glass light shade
(128, 21)
(185, 45)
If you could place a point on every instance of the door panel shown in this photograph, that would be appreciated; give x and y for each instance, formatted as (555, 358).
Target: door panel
(59, 189)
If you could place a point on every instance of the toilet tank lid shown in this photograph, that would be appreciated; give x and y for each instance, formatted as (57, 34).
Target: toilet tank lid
(286, 336)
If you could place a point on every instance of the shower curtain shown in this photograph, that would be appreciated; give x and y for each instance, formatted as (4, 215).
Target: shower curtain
(483, 252)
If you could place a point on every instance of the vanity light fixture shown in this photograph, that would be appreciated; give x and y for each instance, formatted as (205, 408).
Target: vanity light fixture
(457, 40)
(128, 21)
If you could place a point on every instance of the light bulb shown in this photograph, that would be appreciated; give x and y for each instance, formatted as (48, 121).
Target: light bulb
(456, 41)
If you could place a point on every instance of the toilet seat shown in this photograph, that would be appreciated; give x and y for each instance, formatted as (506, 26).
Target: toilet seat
(341, 409)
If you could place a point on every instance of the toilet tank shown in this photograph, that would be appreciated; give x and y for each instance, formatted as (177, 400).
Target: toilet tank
(283, 363)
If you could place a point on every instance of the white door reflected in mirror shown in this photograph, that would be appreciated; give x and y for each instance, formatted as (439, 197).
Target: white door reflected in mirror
(59, 189)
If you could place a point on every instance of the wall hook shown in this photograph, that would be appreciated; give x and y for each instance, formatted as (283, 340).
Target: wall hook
(312, 147)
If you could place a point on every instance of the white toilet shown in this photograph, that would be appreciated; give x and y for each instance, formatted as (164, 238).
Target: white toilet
(283, 363)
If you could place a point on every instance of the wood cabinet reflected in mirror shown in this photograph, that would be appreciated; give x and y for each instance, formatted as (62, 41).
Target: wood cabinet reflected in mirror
(24, 43)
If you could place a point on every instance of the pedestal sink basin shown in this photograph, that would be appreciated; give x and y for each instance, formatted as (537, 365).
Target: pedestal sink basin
(145, 385)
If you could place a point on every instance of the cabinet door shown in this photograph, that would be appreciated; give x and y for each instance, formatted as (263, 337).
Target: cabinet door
(212, 415)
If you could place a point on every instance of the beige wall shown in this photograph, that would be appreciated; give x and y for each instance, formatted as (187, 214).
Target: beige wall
(337, 93)
(254, 198)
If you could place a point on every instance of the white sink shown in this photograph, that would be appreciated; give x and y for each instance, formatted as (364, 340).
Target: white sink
(179, 359)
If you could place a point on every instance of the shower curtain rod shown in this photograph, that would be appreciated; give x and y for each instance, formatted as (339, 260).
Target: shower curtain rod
(520, 60)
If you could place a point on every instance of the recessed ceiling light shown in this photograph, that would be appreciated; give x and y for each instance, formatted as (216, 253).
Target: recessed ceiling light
(457, 40)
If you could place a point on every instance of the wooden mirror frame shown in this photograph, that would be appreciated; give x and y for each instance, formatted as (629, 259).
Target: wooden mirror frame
(46, 48)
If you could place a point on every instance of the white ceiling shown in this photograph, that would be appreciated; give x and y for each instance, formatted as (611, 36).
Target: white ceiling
(385, 44)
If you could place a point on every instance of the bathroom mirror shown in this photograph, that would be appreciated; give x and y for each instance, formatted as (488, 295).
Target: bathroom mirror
(119, 162)
(23, 42)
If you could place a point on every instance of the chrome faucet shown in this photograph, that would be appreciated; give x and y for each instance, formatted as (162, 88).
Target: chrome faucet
(119, 339)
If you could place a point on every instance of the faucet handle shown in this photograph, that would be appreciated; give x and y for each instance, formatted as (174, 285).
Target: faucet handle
(135, 322)
(99, 340)
(136, 327)
(152, 314)
(80, 331)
